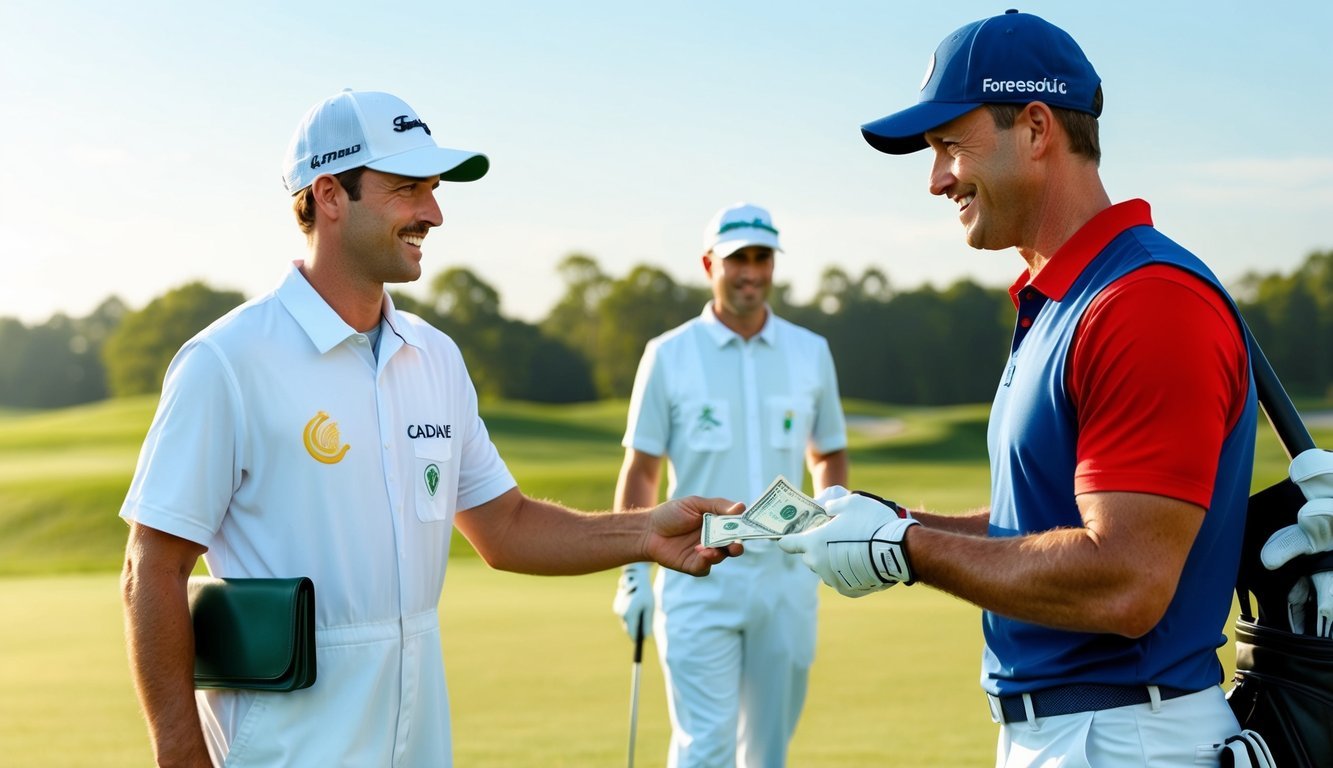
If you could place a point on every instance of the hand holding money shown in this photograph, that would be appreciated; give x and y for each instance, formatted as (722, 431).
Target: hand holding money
(781, 509)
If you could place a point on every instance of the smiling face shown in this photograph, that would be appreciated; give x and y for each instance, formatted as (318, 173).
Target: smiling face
(384, 230)
(741, 282)
(980, 168)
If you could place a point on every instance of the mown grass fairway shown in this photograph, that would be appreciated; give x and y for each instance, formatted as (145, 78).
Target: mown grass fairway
(539, 668)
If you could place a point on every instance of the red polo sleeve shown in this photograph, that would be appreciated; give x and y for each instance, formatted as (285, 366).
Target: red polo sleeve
(1158, 374)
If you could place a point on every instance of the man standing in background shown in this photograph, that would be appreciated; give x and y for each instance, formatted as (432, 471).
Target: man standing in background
(732, 398)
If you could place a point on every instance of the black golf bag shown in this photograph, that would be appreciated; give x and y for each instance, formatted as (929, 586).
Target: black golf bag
(1284, 681)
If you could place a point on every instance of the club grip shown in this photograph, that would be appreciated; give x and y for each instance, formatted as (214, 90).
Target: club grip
(638, 641)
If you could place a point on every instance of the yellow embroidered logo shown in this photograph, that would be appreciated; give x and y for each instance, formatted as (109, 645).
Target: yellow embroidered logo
(322, 440)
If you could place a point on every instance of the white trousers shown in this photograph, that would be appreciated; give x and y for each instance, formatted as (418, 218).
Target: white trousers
(736, 648)
(1186, 731)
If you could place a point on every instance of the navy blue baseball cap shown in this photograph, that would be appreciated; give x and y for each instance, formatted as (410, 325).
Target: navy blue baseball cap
(1014, 58)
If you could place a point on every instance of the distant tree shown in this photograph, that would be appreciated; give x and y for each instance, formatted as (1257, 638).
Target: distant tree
(506, 358)
(643, 304)
(408, 303)
(137, 353)
(974, 342)
(574, 319)
(15, 342)
(58, 362)
(1291, 316)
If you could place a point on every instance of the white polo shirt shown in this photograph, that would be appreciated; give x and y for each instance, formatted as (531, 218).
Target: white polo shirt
(287, 451)
(732, 414)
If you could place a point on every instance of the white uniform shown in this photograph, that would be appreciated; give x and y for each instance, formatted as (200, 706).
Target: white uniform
(286, 449)
(730, 415)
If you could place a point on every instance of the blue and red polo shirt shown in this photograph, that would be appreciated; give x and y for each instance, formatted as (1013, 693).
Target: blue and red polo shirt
(1128, 372)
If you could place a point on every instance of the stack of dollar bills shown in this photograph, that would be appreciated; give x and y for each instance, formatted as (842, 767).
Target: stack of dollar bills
(780, 510)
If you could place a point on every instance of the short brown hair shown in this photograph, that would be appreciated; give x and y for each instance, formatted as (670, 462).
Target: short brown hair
(1080, 127)
(303, 203)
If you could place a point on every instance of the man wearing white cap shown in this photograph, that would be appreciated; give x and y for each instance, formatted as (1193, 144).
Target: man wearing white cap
(732, 399)
(317, 431)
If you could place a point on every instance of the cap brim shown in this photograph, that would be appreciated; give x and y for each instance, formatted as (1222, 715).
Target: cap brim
(422, 162)
(902, 132)
(724, 248)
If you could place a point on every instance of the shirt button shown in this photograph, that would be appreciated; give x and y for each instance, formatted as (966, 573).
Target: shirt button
(1026, 322)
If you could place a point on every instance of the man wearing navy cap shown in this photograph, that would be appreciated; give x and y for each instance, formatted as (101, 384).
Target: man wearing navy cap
(1120, 439)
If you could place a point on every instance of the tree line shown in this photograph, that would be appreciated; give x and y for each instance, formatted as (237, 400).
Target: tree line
(922, 346)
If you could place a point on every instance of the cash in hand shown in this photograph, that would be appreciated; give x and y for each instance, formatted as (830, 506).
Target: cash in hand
(780, 510)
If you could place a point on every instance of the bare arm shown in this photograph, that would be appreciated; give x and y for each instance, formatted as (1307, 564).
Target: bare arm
(1116, 574)
(515, 533)
(827, 469)
(969, 524)
(636, 487)
(160, 641)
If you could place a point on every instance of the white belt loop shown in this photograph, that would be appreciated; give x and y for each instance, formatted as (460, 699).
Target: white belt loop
(1027, 710)
(996, 712)
(1155, 698)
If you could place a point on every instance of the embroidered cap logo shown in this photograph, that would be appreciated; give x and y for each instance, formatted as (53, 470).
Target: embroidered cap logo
(432, 475)
(401, 125)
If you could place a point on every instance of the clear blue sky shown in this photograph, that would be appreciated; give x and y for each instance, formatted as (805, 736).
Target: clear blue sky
(142, 140)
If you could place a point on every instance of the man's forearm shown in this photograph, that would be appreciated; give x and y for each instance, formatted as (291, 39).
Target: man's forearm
(968, 524)
(160, 641)
(636, 488)
(827, 469)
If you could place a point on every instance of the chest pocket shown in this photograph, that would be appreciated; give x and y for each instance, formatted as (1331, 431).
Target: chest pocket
(787, 421)
(706, 423)
(434, 480)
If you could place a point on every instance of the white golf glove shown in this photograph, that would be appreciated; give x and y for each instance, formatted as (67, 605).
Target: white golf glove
(634, 600)
(1312, 471)
(830, 494)
(860, 550)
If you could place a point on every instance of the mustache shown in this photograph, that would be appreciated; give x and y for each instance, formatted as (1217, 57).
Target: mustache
(420, 228)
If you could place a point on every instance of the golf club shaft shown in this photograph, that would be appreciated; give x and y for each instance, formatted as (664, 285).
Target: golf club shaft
(634, 690)
(1282, 414)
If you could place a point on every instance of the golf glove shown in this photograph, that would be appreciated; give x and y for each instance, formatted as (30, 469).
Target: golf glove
(860, 550)
(634, 600)
(1312, 594)
(1313, 532)
(1312, 471)
(829, 494)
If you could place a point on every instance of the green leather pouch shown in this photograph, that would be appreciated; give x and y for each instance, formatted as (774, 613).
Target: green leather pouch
(257, 634)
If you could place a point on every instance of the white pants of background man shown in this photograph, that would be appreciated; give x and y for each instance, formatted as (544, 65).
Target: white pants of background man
(1187, 731)
(736, 648)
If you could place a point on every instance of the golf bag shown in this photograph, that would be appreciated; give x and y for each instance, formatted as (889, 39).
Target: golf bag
(1284, 681)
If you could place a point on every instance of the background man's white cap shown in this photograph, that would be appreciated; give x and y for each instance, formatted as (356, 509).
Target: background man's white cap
(738, 226)
(378, 130)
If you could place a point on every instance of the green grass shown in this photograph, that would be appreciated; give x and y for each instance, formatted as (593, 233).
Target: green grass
(539, 669)
(539, 674)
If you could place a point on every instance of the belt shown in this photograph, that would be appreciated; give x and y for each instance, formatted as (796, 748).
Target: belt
(1084, 697)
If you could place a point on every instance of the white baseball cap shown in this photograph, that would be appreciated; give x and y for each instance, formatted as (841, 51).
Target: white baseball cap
(376, 130)
(738, 226)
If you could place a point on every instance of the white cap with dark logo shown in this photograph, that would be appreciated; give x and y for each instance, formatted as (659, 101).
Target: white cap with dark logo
(738, 226)
(376, 130)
